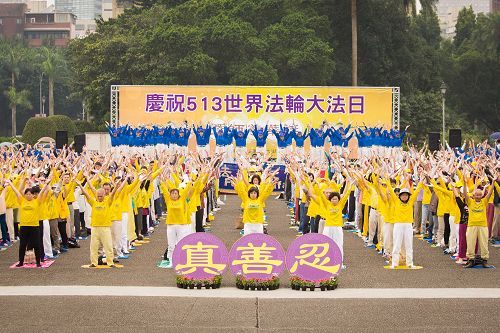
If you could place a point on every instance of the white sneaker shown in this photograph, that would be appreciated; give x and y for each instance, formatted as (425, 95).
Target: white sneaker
(220, 202)
(216, 209)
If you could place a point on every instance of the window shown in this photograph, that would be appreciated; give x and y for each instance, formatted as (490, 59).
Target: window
(80, 27)
(19, 21)
(32, 20)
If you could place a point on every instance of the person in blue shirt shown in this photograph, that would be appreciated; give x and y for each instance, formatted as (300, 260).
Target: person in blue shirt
(240, 139)
(260, 135)
(224, 142)
(300, 138)
(283, 137)
(182, 139)
(317, 137)
(202, 139)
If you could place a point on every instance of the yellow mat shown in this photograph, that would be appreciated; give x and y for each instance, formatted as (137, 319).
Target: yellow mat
(403, 267)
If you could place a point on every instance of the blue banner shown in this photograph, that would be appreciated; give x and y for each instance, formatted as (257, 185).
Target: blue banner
(231, 170)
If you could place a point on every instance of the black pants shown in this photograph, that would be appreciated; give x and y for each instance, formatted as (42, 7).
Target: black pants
(158, 207)
(446, 228)
(61, 225)
(29, 238)
(351, 207)
(315, 224)
(40, 238)
(137, 220)
(145, 227)
(77, 224)
(199, 220)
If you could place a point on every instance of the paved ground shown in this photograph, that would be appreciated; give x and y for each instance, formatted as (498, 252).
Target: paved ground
(365, 270)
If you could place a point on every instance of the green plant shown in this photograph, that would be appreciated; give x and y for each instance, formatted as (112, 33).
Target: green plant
(64, 123)
(38, 127)
(83, 126)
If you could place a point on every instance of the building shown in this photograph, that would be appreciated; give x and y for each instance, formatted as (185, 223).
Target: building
(84, 27)
(83, 9)
(50, 28)
(119, 6)
(447, 11)
(495, 6)
(12, 20)
(107, 9)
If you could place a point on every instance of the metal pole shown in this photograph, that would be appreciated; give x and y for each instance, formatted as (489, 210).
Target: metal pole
(444, 133)
(41, 78)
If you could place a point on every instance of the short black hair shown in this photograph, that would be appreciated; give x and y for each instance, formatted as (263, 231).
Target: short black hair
(255, 176)
(334, 194)
(253, 189)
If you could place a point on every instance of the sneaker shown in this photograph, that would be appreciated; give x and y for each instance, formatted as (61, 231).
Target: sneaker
(484, 262)
(123, 257)
(92, 266)
(63, 250)
(112, 266)
(411, 266)
(220, 202)
(51, 257)
(460, 261)
(470, 263)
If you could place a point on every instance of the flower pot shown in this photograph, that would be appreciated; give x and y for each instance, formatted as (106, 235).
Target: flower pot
(208, 286)
(323, 288)
(239, 286)
(191, 286)
(304, 288)
(329, 287)
(184, 286)
(217, 285)
(312, 288)
(247, 287)
(198, 286)
(179, 285)
(253, 288)
(258, 288)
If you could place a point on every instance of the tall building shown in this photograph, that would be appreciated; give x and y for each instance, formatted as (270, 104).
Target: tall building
(107, 9)
(495, 6)
(119, 6)
(49, 28)
(12, 20)
(447, 11)
(83, 9)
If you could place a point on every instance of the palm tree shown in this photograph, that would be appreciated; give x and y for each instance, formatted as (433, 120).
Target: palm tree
(354, 40)
(54, 67)
(13, 58)
(17, 98)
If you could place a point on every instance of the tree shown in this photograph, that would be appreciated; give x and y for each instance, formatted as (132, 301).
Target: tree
(466, 23)
(54, 67)
(354, 41)
(17, 98)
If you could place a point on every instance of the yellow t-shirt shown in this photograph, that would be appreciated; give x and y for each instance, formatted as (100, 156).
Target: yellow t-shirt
(100, 216)
(177, 212)
(477, 213)
(333, 213)
(403, 212)
(29, 212)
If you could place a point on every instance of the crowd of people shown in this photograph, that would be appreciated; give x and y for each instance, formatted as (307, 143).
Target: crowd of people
(50, 199)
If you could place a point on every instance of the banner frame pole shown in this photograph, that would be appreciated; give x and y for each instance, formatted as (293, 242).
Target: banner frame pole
(115, 105)
(395, 107)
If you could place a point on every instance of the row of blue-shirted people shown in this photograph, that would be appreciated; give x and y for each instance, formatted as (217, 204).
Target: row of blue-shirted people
(370, 139)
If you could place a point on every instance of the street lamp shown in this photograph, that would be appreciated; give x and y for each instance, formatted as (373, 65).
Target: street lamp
(41, 79)
(443, 92)
(43, 106)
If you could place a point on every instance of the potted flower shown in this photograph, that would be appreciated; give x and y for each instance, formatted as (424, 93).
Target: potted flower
(216, 281)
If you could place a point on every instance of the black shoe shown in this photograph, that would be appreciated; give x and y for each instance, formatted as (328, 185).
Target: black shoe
(484, 262)
(20, 264)
(470, 263)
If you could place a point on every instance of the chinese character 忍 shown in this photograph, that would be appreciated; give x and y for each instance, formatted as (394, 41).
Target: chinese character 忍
(314, 253)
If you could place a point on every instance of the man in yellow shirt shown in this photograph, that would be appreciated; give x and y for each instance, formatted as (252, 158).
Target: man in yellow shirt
(100, 222)
(477, 227)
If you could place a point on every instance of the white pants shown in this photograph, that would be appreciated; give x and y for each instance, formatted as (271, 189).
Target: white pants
(176, 232)
(337, 235)
(452, 241)
(241, 151)
(402, 234)
(47, 245)
(373, 220)
(116, 236)
(261, 150)
(388, 232)
(253, 228)
(300, 151)
(9, 217)
(193, 222)
(204, 151)
(124, 233)
(321, 226)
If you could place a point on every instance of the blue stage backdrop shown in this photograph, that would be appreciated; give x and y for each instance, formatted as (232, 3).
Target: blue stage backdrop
(231, 169)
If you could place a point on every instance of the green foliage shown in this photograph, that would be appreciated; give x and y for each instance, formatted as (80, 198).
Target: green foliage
(82, 126)
(466, 23)
(38, 127)
(423, 113)
(6, 139)
(64, 123)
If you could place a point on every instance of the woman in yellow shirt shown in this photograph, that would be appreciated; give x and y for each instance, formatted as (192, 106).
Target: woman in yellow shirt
(331, 208)
(29, 220)
(253, 203)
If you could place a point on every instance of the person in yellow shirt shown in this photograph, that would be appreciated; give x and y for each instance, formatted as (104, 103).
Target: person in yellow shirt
(253, 203)
(100, 221)
(403, 231)
(477, 225)
(331, 209)
(29, 217)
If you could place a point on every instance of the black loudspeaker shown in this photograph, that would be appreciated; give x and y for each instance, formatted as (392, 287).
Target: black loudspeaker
(79, 143)
(455, 137)
(434, 141)
(61, 139)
